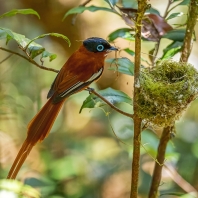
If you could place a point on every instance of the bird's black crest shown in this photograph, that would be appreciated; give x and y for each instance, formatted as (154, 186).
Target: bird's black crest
(96, 44)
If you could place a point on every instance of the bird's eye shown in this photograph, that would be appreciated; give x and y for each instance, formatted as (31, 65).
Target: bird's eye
(100, 48)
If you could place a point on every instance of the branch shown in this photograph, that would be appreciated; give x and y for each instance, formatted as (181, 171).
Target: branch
(29, 59)
(192, 19)
(142, 6)
(110, 104)
(167, 8)
(160, 160)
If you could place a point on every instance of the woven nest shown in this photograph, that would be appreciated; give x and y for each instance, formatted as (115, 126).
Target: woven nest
(165, 91)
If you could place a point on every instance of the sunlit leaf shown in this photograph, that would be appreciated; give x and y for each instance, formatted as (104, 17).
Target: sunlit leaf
(121, 33)
(172, 49)
(81, 9)
(18, 188)
(129, 51)
(122, 65)
(112, 95)
(175, 35)
(19, 11)
(173, 15)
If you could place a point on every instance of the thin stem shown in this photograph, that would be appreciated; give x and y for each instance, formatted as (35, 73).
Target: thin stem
(142, 6)
(192, 19)
(110, 104)
(167, 8)
(158, 165)
(156, 49)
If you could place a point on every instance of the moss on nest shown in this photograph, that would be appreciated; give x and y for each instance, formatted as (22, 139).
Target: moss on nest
(165, 91)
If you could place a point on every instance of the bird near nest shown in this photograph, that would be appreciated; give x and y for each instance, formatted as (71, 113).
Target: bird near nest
(83, 67)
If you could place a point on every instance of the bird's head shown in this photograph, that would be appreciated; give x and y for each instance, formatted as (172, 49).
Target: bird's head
(95, 44)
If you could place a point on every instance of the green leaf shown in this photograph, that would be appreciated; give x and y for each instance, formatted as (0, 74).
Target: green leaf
(173, 15)
(172, 49)
(185, 2)
(19, 11)
(152, 11)
(112, 95)
(81, 9)
(36, 49)
(175, 35)
(129, 51)
(130, 4)
(48, 54)
(18, 188)
(123, 65)
(121, 33)
(3, 34)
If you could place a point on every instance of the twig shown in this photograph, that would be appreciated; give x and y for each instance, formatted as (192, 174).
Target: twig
(142, 6)
(29, 59)
(110, 104)
(192, 19)
(156, 49)
(168, 11)
(167, 8)
(160, 159)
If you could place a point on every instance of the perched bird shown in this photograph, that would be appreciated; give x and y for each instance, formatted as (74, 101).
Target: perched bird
(82, 68)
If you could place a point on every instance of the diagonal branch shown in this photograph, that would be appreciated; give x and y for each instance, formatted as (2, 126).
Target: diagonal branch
(29, 60)
(110, 104)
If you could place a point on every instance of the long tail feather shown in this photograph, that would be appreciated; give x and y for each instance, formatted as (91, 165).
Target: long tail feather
(38, 128)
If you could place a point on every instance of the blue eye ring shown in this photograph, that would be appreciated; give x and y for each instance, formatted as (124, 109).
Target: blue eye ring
(100, 48)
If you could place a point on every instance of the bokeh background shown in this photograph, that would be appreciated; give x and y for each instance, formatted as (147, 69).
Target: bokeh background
(82, 157)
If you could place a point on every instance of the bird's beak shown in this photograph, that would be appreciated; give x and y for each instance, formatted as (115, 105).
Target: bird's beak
(113, 48)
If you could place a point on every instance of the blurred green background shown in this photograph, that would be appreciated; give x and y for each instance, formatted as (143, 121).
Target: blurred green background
(82, 157)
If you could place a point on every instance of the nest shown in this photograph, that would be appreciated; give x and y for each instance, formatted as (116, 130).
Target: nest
(165, 91)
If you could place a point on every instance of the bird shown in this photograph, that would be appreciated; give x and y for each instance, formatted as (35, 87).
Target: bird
(83, 67)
